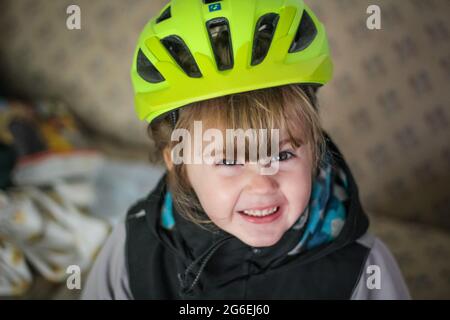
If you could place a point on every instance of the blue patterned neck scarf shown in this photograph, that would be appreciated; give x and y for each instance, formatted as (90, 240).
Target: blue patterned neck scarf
(325, 215)
(322, 220)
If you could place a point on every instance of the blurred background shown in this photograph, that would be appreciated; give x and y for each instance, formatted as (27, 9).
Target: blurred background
(74, 157)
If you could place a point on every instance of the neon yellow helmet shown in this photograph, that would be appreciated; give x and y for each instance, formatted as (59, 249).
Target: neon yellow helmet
(200, 49)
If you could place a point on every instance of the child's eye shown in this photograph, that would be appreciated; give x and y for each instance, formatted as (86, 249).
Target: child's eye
(283, 156)
(226, 162)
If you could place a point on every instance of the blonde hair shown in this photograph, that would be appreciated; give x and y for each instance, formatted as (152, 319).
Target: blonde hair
(285, 107)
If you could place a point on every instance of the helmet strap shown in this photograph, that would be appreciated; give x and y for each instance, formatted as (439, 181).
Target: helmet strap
(173, 117)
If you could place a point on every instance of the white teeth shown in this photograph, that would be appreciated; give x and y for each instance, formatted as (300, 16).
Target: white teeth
(261, 213)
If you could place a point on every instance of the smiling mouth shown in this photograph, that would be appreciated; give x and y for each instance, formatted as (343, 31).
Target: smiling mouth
(260, 213)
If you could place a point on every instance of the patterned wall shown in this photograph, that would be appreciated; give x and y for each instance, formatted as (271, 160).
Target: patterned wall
(387, 107)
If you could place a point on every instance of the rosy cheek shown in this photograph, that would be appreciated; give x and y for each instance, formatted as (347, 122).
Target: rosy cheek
(217, 197)
(297, 187)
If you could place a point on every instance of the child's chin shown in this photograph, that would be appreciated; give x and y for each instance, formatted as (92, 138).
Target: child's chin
(259, 242)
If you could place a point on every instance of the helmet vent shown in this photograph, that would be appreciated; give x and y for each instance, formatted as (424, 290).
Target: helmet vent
(147, 70)
(220, 37)
(265, 29)
(305, 35)
(164, 16)
(180, 52)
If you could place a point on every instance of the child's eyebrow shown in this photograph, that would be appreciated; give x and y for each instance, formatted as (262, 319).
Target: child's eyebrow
(284, 141)
(288, 141)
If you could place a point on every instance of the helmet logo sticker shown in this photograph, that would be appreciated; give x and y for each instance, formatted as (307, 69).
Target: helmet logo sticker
(214, 7)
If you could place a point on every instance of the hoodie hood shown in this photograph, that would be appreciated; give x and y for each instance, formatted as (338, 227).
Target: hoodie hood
(209, 260)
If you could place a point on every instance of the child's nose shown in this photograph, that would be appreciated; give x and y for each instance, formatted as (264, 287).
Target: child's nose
(262, 184)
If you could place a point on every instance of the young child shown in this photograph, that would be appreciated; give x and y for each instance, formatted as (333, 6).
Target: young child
(222, 227)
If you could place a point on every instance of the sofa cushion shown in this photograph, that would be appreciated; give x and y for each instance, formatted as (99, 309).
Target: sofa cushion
(422, 252)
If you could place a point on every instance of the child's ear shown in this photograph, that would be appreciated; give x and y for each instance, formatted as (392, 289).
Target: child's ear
(168, 158)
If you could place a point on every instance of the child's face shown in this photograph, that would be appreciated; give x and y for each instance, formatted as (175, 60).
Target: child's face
(225, 191)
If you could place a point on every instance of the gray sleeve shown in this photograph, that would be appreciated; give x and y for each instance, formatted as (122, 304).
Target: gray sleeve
(391, 285)
(108, 278)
